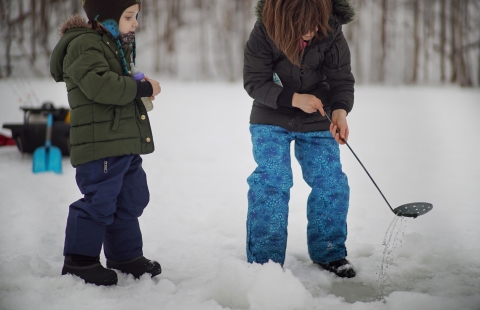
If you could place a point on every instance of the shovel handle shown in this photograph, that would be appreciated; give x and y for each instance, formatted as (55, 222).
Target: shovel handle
(48, 143)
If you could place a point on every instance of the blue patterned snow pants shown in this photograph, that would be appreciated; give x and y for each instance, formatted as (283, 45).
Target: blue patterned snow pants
(269, 194)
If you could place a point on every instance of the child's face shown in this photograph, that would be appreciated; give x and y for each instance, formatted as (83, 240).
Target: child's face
(310, 35)
(128, 20)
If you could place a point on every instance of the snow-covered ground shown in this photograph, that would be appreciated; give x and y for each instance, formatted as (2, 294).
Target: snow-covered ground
(418, 143)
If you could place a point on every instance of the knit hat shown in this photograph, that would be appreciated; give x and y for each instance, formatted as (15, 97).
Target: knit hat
(107, 12)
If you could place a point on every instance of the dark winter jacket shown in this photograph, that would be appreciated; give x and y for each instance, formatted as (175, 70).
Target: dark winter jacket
(325, 72)
(106, 119)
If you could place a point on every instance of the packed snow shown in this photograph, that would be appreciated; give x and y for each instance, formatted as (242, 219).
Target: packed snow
(418, 143)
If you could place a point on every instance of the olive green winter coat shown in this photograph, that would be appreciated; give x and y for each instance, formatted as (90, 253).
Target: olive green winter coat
(106, 119)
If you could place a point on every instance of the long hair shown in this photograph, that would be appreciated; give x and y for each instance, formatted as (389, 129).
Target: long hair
(286, 21)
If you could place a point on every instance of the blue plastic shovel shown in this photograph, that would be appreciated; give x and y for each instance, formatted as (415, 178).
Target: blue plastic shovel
(48, 157)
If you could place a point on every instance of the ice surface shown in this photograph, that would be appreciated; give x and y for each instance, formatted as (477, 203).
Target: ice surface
(418, 143)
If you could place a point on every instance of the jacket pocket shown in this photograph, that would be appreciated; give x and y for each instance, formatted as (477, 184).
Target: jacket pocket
(317, 117)
(116, 119)
(314, 118)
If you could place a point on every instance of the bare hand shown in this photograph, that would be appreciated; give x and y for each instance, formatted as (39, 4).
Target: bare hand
(307, 103)
(339, 126)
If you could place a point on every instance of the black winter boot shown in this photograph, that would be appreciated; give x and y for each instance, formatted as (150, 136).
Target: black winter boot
(137, 266)
(341, 268)
(89, 269)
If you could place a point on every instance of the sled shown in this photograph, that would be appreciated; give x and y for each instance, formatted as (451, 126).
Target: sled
(31, 134)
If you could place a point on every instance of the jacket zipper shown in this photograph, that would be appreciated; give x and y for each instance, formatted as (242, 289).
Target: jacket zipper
(105, 167)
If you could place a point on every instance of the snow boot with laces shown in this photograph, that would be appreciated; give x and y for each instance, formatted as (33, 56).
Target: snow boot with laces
(89, 269)
(137, 267)
(341, 268)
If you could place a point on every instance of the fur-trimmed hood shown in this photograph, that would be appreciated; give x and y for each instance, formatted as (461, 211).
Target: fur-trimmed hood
(72, 28)
(343, 9)
(75, 21)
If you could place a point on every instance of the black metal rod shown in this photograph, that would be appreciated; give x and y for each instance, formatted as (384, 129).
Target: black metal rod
(369, 176)
(358, 159)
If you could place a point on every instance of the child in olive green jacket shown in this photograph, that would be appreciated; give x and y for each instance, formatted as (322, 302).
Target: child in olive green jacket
(110, 128)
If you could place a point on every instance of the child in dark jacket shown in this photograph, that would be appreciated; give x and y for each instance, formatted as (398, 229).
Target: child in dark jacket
(110, 128)
(297, 69)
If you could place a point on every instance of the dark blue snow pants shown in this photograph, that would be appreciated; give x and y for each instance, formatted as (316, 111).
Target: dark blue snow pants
(115, 193)
(269, 194)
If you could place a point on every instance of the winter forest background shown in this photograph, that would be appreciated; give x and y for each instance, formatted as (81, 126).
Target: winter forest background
(392, 41)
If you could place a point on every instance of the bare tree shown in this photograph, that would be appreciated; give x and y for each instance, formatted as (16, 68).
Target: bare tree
(419, 41)
(454, 10)
(416, 40)
(464, 46)
(428, 33)
(383, 39)
(443, 39)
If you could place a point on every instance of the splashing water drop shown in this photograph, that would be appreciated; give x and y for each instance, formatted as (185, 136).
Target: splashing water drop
(392, 238)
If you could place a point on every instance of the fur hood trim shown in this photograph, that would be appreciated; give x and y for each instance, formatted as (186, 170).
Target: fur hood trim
(75, 21)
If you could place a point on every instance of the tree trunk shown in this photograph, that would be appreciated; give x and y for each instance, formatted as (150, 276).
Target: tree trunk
(383, 40)
(428, 34)
(416, 40)
(443, 39)
(453, 40)
(33, 37)
(158, 40)
(205, 70)
(463, 21)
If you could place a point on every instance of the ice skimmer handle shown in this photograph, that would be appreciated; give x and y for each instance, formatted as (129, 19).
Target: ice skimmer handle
(413, 209)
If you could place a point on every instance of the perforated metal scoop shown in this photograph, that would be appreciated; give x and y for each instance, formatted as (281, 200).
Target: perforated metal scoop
(413, 209)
